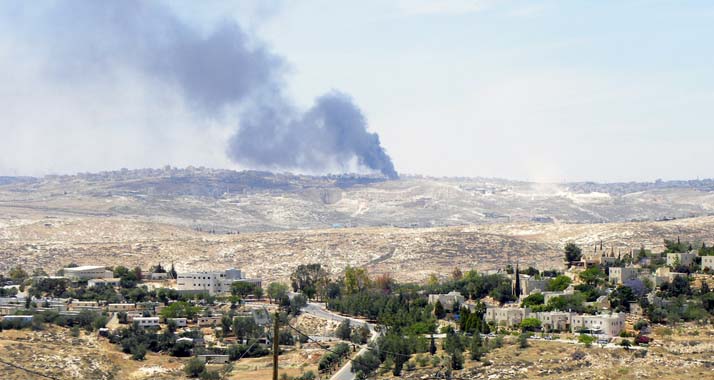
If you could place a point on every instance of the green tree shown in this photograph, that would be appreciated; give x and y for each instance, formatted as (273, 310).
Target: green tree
(17, 274)
(523, 340)
(344, 330)
(310, 279)
(194, 367)
(592, 276)
(572, 252)
(530, 324)
(243, 288)
(277, 291)
(439, 311)
(533, 300)
(559, 283)
(180, 309)
(356, 280)
(432, 346)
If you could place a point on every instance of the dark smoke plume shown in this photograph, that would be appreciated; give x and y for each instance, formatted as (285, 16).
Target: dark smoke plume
(222, 71)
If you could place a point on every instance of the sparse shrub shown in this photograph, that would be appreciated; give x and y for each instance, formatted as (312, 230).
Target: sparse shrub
(523, 340)
(578, 355)
(585, 339)
(194, 367)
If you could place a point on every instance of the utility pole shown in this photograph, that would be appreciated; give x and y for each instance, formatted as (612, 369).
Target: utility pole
(276, 348)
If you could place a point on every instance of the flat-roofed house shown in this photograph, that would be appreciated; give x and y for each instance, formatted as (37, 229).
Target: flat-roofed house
(447, 300)
(95, 282)
(685, 259)
(606, 324)
(211, 282)
(620, 275)
(146, 321)
(87, 272)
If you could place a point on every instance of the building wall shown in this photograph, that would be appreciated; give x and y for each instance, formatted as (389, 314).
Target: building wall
(211, 282)
(87, 273)
(708, 262)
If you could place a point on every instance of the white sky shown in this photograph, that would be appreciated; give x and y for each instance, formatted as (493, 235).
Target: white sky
(539, 90)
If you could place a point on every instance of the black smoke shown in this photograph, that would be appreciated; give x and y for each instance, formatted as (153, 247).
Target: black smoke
(224, 70)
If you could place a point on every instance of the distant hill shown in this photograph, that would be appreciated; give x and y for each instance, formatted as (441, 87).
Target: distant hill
(230, 201)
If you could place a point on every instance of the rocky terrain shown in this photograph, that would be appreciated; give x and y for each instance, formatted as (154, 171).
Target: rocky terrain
(409, 254)
(269, 223)
(555, 360)
(228, 201)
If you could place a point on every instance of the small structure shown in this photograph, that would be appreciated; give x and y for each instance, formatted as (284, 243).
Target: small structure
(147, 321)
(157, 276)
(95, 282)
(447, 300)
(707, 262)
(214, 358)
(180, 322)
(19, 318)
(209, 321)
(116, 307)
(87, 272)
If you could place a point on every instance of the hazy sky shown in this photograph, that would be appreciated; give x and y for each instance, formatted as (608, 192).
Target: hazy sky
(542, 90)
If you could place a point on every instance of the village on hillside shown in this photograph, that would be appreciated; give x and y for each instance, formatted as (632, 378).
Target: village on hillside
(222, 324)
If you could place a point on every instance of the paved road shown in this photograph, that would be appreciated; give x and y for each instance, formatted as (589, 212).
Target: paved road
(319, 310)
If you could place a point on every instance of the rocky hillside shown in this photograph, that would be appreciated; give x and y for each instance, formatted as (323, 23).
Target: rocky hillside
(229, 201)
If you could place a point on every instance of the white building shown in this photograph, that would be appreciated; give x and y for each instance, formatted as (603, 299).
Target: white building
(146, 321)
(103, 282)
(87, 272)
(707, 262)
(447, 300)
(683, 258)
(116, 307)
(180, 322)
(606, 324)
(215, 283)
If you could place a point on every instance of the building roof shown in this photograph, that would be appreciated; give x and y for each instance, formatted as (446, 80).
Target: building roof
(85, 267)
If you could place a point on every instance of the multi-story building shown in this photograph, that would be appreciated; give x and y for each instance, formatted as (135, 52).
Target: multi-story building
(506, 316)
(619, 275)
(87, 272)
(212, 282)
(606, 324)
(685, 259)
(447, 300)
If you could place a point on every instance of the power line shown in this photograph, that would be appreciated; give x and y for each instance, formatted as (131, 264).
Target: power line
(29, 370)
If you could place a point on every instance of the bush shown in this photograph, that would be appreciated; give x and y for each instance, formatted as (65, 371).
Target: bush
(210, 375)
(138, 352)
(194, 367)
(523, 340)
(626, 344)
(585, 339)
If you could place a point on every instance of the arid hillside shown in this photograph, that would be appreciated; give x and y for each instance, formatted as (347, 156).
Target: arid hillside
(228, 201)
(407, 253)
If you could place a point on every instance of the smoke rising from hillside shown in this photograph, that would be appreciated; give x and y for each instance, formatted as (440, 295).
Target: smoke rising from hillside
(222, 72)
